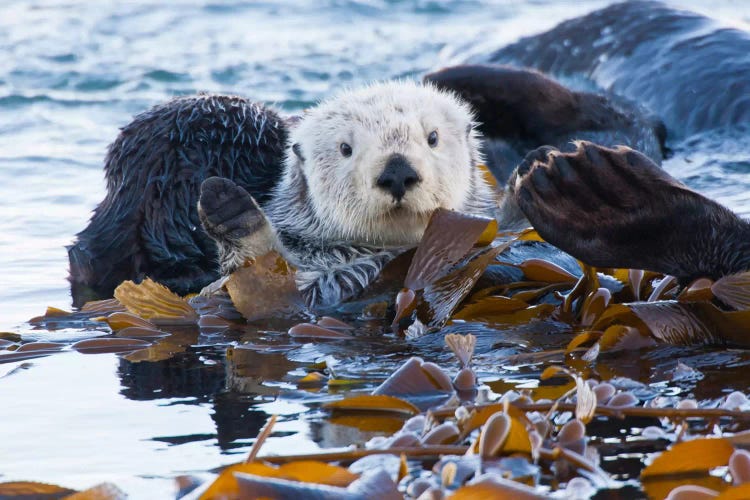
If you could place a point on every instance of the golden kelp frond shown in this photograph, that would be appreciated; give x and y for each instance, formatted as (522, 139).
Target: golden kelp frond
(447, 240)
(265, 288)
(155, 302)
(375, 402)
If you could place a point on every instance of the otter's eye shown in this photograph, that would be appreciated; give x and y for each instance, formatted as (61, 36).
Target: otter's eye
(345, 149)
(432, 139)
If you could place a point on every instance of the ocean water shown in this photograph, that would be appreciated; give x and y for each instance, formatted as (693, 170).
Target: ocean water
(73, 71)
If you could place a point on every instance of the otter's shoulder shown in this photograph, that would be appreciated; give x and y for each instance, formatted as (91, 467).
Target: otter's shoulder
(364, 172)
(147, 224)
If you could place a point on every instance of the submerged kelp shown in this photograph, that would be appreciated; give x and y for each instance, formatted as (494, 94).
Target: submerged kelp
(447, 422)
(518, 446)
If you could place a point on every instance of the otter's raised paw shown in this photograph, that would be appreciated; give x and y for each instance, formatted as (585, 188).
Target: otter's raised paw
(617, 208)
(232, 217)
(227, 211)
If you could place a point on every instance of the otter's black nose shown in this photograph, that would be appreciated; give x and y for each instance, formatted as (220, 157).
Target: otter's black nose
(398, 177)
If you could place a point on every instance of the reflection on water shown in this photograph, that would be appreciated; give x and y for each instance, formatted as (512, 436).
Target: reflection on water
(196, 400)
(73, 74)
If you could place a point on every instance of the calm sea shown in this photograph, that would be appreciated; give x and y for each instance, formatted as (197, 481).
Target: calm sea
(72, 72)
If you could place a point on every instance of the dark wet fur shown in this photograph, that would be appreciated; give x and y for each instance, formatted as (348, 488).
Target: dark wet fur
(520, 110)
(617, 208)
(147, 225)
(689, 70)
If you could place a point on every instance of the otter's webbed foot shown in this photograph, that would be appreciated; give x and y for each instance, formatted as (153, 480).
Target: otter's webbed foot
(617, 208)
(231, 216)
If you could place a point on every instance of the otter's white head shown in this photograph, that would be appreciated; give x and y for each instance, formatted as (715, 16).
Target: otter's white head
(379, 160)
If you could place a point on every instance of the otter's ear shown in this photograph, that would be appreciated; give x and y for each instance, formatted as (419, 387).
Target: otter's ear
(298, 151)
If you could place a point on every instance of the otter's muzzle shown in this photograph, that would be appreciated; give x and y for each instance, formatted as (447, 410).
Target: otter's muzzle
(398, 177)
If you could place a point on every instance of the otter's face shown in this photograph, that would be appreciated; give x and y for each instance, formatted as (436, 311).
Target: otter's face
(380, 160)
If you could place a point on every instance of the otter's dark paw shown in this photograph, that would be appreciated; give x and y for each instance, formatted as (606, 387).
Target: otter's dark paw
(228, 212)
(608, 207)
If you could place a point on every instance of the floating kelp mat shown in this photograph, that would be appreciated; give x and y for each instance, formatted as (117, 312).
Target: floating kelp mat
(479, 365)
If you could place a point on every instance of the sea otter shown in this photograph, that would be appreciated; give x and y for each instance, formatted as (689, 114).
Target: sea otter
(148, 224)
(345, 188)
(363, 173)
